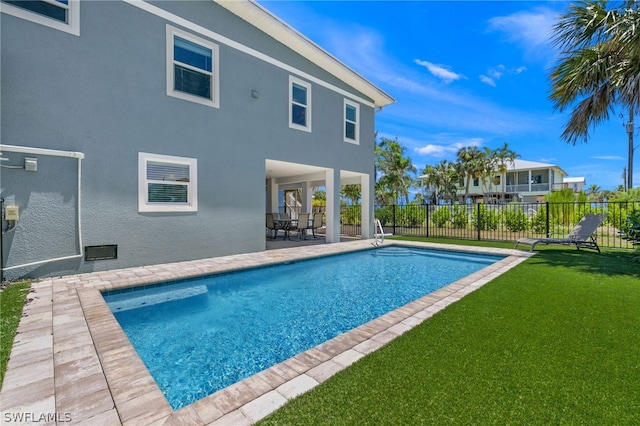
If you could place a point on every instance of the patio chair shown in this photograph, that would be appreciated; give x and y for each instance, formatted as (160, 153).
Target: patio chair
(272, 225)
(316, 223)
(301, 225)
(582, 236)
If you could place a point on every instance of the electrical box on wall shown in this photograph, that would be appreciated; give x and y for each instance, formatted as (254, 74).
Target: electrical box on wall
(11, 213)
(31, 164)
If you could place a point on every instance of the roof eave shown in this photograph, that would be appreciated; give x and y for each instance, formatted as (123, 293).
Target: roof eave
(276, 28)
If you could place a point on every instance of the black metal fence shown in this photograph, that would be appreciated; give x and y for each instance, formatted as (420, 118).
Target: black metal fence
(498, 222)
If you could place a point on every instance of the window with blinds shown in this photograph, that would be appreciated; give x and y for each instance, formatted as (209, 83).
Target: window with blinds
(63, 15)
(192, 67)
(166, 183)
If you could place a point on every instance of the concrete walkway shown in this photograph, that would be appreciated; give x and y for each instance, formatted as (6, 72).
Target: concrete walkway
(71, 363)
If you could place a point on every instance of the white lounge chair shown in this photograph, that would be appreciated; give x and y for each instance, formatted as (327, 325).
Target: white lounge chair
(582, 236)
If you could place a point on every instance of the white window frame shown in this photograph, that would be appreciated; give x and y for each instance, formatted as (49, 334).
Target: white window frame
(72, 26)
(293, 80)
(355, 105)
(143, 193)
(214, 101)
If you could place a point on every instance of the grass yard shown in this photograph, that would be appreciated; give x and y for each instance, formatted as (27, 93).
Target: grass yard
(553, 341)
(12, 300)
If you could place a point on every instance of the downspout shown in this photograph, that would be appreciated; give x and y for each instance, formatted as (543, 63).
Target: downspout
(55, 153)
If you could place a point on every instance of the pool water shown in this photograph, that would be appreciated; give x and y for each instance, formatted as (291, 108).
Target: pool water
(202, 335)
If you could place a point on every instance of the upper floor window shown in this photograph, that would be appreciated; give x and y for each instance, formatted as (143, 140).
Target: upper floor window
(192, 68)
(59, 14)
(167, 183)
(300, 104)
(351, 119)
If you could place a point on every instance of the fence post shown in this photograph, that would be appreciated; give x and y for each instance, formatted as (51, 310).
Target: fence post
(547, 222)
(427, 216)
(394, 219)
(478, 220)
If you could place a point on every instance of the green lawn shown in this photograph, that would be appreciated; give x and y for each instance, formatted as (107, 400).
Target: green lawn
(553, 341)
(12, 301)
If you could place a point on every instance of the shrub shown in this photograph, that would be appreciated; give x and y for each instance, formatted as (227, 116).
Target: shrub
(385, 215)
(411, 215)
(515, 220)
(539, 221)
(350, 215)
(441, 217)
(484, 219)
(460, 218)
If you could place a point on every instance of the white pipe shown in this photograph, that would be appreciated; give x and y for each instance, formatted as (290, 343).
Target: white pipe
(41, 151)
(53, 152)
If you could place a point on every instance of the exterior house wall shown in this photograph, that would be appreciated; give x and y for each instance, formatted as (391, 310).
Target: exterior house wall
(104, 94)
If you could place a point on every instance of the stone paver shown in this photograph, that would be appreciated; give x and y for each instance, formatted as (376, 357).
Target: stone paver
(72, 362)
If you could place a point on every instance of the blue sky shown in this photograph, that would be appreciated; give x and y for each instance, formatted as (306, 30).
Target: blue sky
(463, 73)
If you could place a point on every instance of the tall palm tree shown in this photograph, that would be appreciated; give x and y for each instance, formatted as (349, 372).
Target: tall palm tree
(443, 177)
(505, 157)
(599, 67)
(470, 162)
(396, 169)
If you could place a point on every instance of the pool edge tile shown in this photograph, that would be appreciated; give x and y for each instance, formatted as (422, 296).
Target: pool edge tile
(63, 301)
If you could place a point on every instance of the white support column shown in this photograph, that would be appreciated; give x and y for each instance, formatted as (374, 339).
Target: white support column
(272, 203)
(367, 207)
(307, 194)
(332, 184)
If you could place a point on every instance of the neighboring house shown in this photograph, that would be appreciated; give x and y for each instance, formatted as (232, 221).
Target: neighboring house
(138, 133)
(525, 181)
(576, 184)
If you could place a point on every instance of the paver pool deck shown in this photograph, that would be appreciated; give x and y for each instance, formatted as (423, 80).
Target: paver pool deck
(71, 363)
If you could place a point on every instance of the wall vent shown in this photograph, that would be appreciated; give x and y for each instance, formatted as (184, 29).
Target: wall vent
(103, 252)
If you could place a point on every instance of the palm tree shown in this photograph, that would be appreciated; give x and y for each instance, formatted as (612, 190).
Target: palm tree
(470, 163)
(443, 177)
(594, 192)
(504, 157)
(396, 169)
(351, 193)
(598, 68)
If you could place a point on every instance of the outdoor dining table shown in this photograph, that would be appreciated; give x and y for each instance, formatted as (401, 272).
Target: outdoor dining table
(285, 224)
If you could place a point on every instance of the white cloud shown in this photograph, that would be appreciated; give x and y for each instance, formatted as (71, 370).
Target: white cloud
(532, 29)
(445, 148)
(609, 157)
(496, 73)
(487, 80)
(440, 71)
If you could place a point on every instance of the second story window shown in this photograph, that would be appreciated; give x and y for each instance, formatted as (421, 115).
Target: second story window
(59, 14)
(300, 104)
(192, 68)
(351, 118)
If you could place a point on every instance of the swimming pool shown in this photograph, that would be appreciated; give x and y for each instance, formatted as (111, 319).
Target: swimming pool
(201, 335)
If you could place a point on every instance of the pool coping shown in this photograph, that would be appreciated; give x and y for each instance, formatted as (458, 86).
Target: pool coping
(72, 363)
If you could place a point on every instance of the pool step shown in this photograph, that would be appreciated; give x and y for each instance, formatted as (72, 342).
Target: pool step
(124, 301)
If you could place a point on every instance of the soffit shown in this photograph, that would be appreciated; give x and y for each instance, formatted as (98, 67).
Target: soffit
(270, 24)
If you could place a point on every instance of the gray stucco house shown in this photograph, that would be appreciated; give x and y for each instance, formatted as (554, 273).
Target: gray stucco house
(138, 133)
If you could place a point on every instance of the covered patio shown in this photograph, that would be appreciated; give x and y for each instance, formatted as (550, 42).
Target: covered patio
(281, 175)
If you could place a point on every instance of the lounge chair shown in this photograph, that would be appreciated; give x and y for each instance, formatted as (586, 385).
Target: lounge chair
(582, 236)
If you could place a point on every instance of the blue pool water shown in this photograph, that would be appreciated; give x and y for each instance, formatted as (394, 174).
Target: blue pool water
(202, 335)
